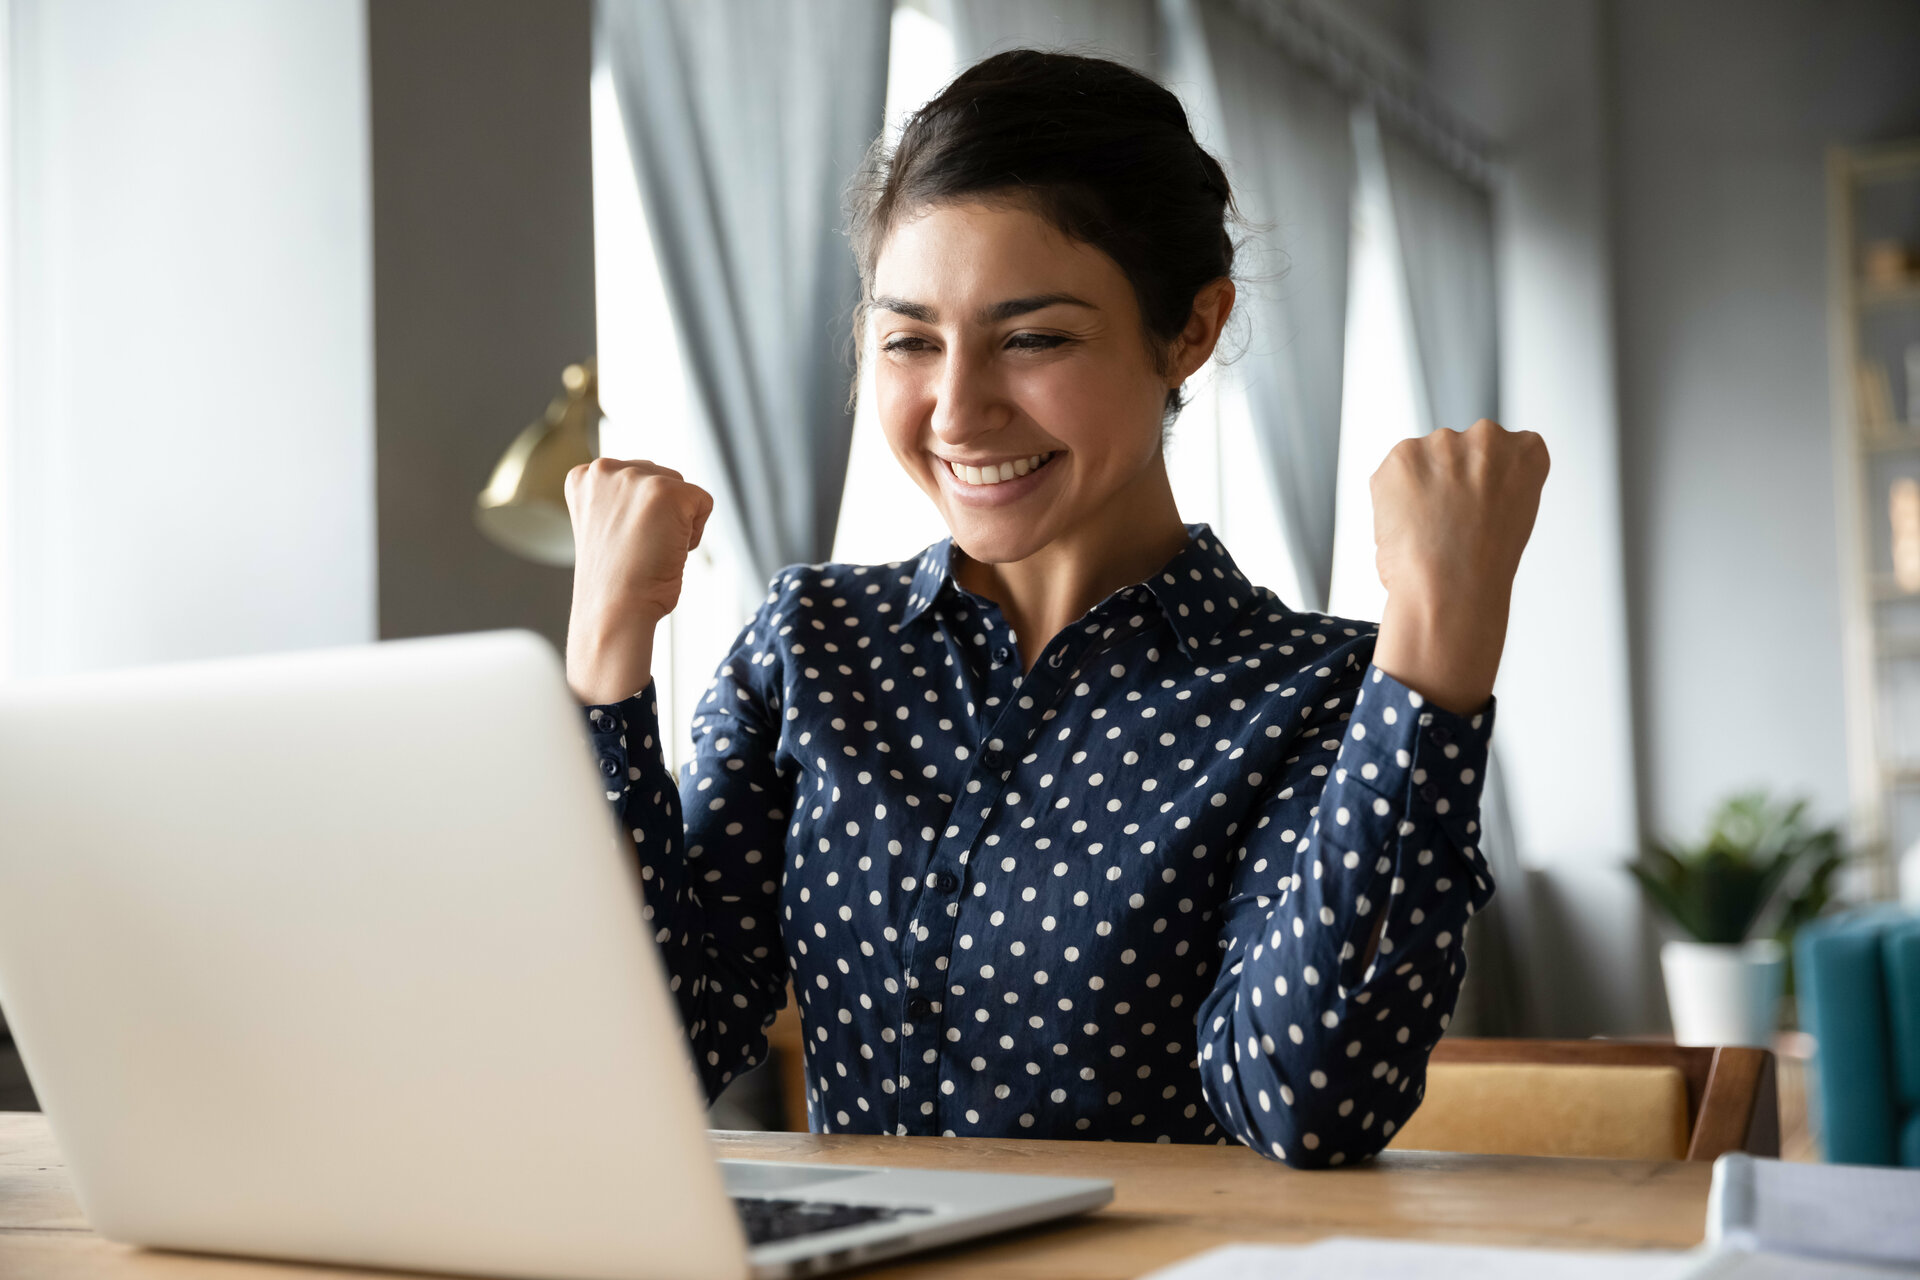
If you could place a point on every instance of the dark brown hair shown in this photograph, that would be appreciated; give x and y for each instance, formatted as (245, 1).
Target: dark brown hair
(1100, 151)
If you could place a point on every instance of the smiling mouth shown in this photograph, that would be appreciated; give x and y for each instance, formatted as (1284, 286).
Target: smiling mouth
(985, 476)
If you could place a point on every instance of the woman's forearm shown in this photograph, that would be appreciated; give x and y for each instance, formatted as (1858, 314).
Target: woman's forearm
(1445, 644)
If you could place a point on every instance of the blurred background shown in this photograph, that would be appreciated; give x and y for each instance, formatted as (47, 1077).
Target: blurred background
(283, 280)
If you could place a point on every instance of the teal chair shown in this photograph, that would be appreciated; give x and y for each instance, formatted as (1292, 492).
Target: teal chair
(1858, 976)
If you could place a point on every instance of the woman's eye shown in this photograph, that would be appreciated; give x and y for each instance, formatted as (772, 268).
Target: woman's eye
(904, 343)
(1036, 341)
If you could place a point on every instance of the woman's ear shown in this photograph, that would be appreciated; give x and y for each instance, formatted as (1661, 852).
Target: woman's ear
(1194, 345)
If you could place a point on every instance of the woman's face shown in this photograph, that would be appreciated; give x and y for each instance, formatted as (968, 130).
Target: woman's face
(1007, 350)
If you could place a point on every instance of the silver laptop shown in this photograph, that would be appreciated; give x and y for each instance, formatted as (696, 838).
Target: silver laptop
(339, 957)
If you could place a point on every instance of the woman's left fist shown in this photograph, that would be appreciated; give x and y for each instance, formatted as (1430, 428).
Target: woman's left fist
(1452, 512)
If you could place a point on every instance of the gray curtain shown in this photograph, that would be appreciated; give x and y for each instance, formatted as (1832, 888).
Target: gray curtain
(1445, 228)
(1286, 139)
(747, 118)
(1123, 30)
(1443, 225)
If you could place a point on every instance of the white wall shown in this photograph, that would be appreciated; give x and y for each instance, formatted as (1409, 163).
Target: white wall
(1723, 113)
(191, 427)
(1533, 74)
(1663, 308)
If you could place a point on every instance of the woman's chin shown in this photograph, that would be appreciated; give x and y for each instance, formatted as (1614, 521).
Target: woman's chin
(995, 539)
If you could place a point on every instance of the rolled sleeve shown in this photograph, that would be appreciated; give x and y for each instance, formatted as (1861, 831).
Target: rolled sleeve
(1344, 939)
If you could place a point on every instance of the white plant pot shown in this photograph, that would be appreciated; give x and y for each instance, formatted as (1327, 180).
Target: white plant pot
(1724, 994)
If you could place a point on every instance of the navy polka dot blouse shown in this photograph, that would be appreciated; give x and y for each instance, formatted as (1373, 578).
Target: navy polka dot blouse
(1202, 873)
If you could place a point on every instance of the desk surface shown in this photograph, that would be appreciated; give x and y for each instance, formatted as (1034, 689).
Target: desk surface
(1169, 1203)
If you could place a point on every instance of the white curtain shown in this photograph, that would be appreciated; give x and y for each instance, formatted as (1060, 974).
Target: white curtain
(1443, 224)
(1445, 228)
(747, 118)
(1124, 30)
(1285, 138)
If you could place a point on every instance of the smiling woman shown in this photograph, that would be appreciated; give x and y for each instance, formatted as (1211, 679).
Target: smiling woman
(1064, 828)
(1032, 419)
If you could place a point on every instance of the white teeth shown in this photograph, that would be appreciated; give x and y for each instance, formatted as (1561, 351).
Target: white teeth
(994, 475)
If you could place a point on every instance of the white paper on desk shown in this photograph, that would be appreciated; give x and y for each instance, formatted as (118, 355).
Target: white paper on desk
(1354, 1259)
(1852, 1212)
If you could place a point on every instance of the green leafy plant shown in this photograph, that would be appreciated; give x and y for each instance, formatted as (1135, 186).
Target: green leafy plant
(1762, 871)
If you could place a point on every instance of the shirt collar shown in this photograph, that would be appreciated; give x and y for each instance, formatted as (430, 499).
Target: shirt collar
(1200, 590)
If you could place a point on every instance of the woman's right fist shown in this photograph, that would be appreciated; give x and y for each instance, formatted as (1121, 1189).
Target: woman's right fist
(633, 524)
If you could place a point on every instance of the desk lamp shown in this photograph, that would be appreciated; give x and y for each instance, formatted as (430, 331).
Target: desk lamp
(524, 506)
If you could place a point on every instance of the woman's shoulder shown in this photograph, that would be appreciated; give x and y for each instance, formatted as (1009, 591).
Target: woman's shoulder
(842, 595)
(1336, 650)
(1270, 614)
(836, 605)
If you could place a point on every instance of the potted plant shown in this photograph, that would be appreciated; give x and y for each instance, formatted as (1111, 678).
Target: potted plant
(1762, 871)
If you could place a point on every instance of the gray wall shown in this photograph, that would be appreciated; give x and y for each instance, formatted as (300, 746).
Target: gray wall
(1723, 109)
(483, 254)
(190, 468)
(1534, 75)
(1662, 226)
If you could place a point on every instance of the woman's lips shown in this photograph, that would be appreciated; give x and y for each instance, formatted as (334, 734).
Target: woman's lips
(999, 492)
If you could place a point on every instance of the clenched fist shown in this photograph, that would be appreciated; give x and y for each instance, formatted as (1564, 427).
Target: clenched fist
(1452, 512)
(633, 525)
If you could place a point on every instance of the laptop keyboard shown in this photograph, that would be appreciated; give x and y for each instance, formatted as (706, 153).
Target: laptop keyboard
(767, 1220)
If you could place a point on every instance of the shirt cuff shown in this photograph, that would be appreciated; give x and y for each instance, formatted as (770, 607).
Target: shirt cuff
(1429, 761)
(625, 737)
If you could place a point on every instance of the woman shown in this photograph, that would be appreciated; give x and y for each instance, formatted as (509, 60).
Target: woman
(1064, 828)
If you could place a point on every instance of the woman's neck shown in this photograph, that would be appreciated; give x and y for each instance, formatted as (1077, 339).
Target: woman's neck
(1134, 535)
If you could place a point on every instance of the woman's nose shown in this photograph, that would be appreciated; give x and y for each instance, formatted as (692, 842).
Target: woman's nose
(969, 401)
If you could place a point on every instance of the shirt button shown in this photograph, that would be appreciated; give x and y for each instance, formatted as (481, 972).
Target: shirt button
(1429, 791)
(946, 881)
(1442, 735)
(609, 766)
(991, 759)
(919, 1007)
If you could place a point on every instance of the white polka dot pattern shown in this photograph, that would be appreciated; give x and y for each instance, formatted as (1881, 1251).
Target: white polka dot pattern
(1201, 874)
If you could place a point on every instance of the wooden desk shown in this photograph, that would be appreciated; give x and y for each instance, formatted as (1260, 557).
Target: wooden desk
(1169, 1203)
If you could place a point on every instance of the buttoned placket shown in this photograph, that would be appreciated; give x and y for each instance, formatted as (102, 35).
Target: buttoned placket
(927, 951)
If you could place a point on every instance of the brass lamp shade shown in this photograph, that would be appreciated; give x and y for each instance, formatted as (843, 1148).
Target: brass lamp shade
(524, 506)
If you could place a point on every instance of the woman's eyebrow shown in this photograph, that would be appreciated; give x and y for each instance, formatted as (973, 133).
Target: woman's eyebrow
(1038, 302)
(1006, 310)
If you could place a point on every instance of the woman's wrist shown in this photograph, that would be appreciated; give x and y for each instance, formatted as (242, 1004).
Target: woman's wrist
(610, 663)
(1444, 646)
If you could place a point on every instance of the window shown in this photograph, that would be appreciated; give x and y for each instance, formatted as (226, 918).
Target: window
(884, 516)
(7, 383)
(650, 414)
(1379, 402)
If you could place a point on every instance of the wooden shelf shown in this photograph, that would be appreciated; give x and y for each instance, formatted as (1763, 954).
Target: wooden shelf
(1883, 162)
(1880, 621)
(1889, 295)
(1887, 591)
(1892, 438)
(1899, 646)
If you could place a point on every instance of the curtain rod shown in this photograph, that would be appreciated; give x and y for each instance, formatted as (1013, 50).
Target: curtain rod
(1400, 98)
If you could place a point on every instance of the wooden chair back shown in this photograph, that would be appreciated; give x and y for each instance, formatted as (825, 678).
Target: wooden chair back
(788, 1060)
(1528, 1086)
